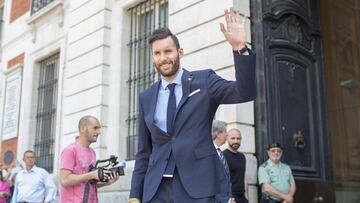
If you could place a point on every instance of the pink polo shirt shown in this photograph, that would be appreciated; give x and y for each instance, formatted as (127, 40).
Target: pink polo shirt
(77, 159)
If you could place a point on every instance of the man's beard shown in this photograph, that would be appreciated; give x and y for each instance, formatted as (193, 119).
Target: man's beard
(174, 70)
(275, 158)
(91, 137)
(235, 146)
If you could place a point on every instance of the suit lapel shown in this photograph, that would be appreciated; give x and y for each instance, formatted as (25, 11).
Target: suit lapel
(186, 84)
(154, 93)
(152, 100)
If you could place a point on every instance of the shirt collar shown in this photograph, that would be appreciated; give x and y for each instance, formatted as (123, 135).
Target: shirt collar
(31, 170)
(177, 80)
(271, 163)
(216, 147)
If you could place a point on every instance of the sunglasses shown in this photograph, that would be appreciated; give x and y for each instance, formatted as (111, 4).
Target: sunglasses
(275, 150)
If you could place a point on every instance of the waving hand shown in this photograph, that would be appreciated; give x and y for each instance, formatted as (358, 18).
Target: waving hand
(235, 29)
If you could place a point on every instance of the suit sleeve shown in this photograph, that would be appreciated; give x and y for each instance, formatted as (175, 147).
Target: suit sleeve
(142, 156)
(241, 90)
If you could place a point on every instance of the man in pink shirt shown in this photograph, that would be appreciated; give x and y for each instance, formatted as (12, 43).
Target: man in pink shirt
(76, 160)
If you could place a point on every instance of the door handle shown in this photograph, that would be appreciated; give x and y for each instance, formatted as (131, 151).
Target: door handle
(299, 140)
(318, 198)
(348, 83)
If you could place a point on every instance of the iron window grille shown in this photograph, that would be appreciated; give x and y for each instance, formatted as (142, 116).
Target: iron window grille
(1, 21)
(46, 112)
(37, 5)
(145, 18)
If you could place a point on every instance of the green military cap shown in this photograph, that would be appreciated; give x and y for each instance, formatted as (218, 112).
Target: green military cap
(274, 145)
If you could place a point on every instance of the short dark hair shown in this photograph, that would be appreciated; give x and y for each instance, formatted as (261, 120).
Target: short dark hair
(235, 130)
(29, 151)
(163, 33)
(85, 120)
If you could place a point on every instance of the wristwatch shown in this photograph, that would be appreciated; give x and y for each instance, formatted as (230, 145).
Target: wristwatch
(243, 50)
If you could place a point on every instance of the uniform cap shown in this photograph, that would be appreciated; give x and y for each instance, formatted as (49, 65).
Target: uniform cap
(274, 145)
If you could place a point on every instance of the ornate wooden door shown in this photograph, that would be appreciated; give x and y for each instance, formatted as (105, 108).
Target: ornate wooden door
(291, 107)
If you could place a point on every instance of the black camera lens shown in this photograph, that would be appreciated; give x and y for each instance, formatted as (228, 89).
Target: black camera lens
(118, 169)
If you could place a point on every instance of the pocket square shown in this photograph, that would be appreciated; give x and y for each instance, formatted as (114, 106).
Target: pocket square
(194, 92)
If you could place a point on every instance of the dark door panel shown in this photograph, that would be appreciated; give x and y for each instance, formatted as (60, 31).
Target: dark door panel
(291, 97)
(294, 74)
(308, 77)
(291, 105)
(315, 192)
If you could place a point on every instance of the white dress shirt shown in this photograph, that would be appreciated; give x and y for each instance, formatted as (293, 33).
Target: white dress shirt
(32, 186)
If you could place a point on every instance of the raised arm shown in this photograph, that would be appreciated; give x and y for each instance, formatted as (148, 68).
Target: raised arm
(244, 88)
(235, 29)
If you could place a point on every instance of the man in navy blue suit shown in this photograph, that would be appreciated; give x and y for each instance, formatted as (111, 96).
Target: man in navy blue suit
(176, 160)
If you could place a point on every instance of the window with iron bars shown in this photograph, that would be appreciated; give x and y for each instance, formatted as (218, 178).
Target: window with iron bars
(1, 20)
(46, 112)
(37, 5)
(145, 18)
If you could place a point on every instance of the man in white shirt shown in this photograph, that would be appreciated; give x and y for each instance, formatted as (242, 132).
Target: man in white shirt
(33, 184)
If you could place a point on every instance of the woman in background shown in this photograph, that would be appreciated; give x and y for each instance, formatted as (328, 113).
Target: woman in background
(4, 189)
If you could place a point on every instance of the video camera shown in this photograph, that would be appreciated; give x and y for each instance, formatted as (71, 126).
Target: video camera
(110, 166)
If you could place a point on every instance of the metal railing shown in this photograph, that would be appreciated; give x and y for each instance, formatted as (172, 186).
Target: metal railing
(46, 112)
(37, 5)
(145, 18)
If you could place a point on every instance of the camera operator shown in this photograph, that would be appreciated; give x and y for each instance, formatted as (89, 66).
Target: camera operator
(78, 182)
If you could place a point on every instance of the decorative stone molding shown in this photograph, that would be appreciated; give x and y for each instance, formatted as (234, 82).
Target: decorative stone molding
(11, 111)
(56, 7)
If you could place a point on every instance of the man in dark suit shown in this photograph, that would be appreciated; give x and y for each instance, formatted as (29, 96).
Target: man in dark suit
(176, 160)
(219, 135)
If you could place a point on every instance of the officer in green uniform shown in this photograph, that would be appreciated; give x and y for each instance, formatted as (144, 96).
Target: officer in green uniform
(275, 178)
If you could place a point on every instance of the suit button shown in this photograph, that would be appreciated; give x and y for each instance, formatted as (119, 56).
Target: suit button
(173, 137)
